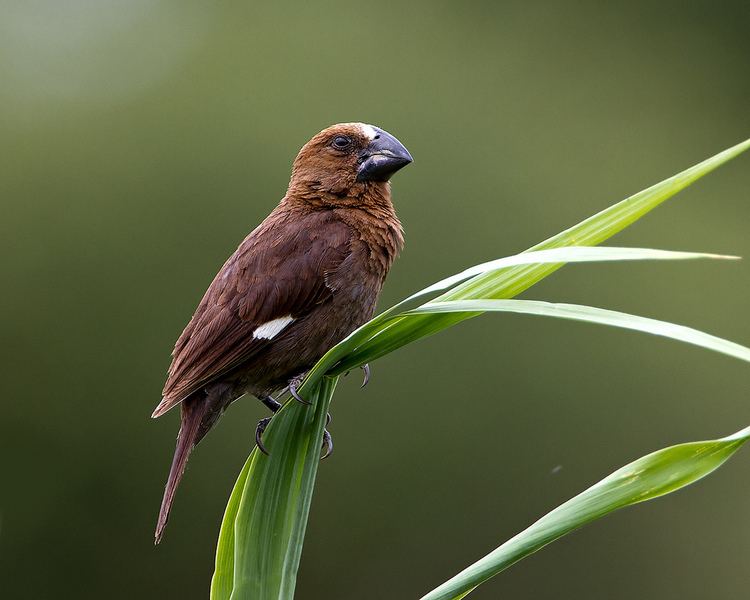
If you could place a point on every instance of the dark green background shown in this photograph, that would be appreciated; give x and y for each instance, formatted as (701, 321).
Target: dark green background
(141, 140)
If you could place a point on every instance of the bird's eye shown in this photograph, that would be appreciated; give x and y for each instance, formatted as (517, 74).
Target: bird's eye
(341, 142)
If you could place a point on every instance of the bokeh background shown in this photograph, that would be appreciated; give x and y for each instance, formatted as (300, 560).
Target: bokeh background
(140, 140)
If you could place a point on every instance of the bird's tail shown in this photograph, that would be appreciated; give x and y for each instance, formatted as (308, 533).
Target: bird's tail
(198, 414)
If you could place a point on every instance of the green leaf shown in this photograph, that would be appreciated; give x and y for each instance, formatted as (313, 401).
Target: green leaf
(654, 475)
(222, 581)
(590, 314)
(262, 533)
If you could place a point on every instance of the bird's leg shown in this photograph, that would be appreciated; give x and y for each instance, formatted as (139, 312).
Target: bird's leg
(273, 406)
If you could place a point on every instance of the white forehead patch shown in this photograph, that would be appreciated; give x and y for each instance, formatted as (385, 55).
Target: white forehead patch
(368, 131)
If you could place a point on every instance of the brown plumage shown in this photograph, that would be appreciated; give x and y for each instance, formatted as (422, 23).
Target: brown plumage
(299, 283)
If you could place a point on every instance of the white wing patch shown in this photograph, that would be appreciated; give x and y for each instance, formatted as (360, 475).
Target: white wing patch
(270, 330)
(368, 131)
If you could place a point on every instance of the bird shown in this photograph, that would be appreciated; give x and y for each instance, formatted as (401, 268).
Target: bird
(300, 282)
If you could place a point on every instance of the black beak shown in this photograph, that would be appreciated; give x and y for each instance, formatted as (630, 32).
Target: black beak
(383, 156)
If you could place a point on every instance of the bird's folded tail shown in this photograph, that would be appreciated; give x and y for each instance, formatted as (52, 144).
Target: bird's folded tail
(198, 414)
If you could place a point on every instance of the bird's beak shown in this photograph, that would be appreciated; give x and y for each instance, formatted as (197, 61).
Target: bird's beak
(382, 157)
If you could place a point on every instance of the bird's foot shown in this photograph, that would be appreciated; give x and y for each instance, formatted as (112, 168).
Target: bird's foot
(262, 424)
(273, 405)
(327, 446)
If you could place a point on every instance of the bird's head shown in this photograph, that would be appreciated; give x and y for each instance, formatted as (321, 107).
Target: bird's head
(347, 158)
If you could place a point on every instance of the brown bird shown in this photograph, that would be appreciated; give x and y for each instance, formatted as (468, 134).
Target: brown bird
(303, 280)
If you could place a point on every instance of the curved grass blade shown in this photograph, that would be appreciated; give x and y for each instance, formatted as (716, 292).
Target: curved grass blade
(568, 254)
(554, 256)
(511, 282)
(652, 476)
(591, 314)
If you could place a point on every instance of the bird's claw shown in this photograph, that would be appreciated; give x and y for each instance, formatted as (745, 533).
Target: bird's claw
(295, 394)
(327, 439)
(327, 443)
(366, 374)
(262, 424)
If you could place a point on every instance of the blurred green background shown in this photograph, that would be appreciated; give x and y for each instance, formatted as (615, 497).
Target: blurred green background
(141, 140)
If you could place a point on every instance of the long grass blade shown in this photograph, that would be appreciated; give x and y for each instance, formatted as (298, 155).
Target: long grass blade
(591, 314)
(262, 533)
(512, 281)
(649, 477)
(553, 256)
(559, 256)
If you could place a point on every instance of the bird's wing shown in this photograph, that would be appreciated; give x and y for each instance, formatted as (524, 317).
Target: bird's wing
(276, 276)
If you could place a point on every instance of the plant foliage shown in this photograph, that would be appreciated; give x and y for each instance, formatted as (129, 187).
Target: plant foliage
(262, 533)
